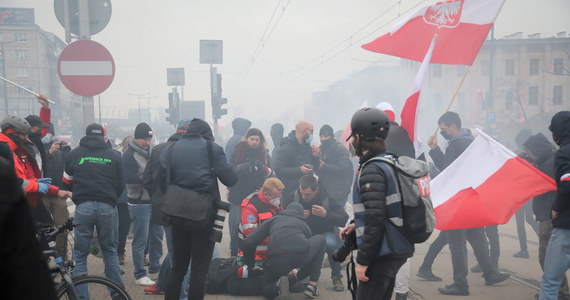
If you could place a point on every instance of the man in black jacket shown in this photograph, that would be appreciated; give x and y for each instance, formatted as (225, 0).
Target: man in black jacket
(540, 152)
(459, 139)
(291, 245)
(94, 173)
(335, 168)
(296, 157)
(556, 262)
(324, 216)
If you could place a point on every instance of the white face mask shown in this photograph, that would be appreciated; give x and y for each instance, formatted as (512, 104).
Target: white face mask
(275, 201)
(351, 149)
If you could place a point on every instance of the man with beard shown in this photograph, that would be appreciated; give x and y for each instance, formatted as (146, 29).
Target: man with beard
(15, 132)
(296, 157)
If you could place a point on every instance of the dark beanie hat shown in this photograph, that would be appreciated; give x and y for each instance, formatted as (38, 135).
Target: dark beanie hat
(201, 128)
(326, 130)
(94, 130)
(296, 208)
(143, 131)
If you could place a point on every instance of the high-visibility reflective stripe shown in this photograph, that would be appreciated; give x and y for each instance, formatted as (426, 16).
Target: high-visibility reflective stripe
(25, 184)
(264, 216)
(247, 226)
(358, 207)
(394, 198)
(261, 248)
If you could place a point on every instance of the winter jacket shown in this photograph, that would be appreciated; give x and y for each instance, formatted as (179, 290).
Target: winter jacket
(45, 116)
(336, 174)
(291, 156)
(134, 162)
(455, 147)
(335, 217)
(251, 166)
(190, 165)
(93, 172)
(398, 142)
(288, 234)
(255, 210)
(560, 128)
(26, 168)
(55, 164)
(373, 212)
(544, 152)
(240, 127)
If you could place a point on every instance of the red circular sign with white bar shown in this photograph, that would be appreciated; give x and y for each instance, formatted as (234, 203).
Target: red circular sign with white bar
(86, 68)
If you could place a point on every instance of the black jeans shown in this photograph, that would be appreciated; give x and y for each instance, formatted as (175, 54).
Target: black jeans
(124, 226)
(457, 246)
(492, 233)
(280, 265)
(525, 212)
(434, 250)
(186, 245)
(382, 277)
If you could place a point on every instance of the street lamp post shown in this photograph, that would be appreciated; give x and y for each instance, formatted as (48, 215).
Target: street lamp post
(140, 96)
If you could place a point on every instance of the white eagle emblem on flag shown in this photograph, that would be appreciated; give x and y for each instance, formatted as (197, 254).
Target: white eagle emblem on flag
(444, 14)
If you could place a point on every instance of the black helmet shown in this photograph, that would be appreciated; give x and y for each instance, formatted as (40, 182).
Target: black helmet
(20, 125)
(369, 123)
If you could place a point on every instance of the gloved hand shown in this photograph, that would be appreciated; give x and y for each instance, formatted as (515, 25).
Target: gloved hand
(45, 180)
(43, 187)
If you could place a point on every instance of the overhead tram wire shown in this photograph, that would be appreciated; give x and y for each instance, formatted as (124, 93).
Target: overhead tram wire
(263, 40)
(323, 61)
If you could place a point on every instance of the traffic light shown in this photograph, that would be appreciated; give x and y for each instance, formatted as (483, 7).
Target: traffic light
(217, 101)
(173, 109)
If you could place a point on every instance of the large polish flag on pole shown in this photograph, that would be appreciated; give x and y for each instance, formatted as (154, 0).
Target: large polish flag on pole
(485, 186)
(462, 26)
(409, 112)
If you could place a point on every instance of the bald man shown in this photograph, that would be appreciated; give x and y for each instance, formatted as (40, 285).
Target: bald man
(296, 157)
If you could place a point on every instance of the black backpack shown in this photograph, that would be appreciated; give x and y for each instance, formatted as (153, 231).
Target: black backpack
(218, 273)
(414, 187)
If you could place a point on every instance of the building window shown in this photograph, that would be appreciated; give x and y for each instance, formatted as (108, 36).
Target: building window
(1, 37)
(533, 66)
(509, 98)
(509, 67)
(22, 72)
(558, 66)
(22, 54)
(533, 95)
(557, 95)
(485, 68)
(21, 37)
(437, 70)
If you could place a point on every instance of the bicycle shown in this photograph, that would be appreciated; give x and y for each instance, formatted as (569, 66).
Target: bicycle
(76, 286)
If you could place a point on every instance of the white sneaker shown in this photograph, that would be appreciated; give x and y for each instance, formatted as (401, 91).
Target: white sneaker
(144, 281)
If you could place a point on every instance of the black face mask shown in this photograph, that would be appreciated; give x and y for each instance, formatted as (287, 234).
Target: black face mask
(35, 136)
(556, 140)
(445, 135)
(325, 143)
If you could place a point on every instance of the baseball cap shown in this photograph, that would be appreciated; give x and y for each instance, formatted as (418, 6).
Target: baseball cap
(95, 130)
(34, 120)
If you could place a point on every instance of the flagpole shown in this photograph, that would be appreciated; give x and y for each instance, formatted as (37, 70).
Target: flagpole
(23, 88)
(455, 94)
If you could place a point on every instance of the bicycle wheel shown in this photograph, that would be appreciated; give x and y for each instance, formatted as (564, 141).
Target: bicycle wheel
(93, 288)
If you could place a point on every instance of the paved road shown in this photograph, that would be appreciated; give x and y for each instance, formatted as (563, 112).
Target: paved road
(522, 286)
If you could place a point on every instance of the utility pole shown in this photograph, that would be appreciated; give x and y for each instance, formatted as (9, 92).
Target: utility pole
(85, 34)
(140, 96)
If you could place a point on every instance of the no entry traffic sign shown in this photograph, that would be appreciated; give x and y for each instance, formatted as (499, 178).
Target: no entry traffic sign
(86, 68)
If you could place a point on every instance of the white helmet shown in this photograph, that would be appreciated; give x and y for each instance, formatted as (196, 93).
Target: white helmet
(20, 125)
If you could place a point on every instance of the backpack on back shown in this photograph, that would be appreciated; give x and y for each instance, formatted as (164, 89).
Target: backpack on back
(414, 187)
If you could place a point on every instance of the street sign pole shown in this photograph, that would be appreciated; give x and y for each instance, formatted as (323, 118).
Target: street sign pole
(85, 33)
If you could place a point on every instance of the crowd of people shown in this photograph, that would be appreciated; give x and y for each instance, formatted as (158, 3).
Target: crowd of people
(287, 207)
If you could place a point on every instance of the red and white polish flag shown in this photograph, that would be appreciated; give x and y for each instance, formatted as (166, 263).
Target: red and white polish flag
(462, 26)
(485, 186)
(409, 112)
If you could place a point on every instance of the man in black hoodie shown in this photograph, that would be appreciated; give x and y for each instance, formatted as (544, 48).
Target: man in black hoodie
(94, 174)
(240, 126)
(291, 245)
(556, 262)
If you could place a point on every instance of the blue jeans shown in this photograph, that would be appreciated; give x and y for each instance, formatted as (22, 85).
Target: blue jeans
(145, 232)
(167, 265)
(556, 263)
(102, 216)
(332, 243)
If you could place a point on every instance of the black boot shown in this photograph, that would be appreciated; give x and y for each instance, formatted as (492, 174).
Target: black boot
(427, 274)
(402, 296)
(496, 278)
(454, 290)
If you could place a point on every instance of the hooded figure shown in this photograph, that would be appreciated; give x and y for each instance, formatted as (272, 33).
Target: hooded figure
(560, 128)
(240, 127)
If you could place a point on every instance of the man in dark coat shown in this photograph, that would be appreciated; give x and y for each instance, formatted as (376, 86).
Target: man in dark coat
(296, 157)
(240, 126)
(540, 152)
(291, 245)
(276, 133)
(556, 262)
(335, 168)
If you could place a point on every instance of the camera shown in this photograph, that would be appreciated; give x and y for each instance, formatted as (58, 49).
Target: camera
(348, 245)
(222, 209)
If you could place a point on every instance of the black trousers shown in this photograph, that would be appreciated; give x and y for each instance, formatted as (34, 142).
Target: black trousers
(434, 250)
(187, 245)
(492, 233)
(381, 279)
(124, 226)
(280, 265)
(525, 213)
(457, 246)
